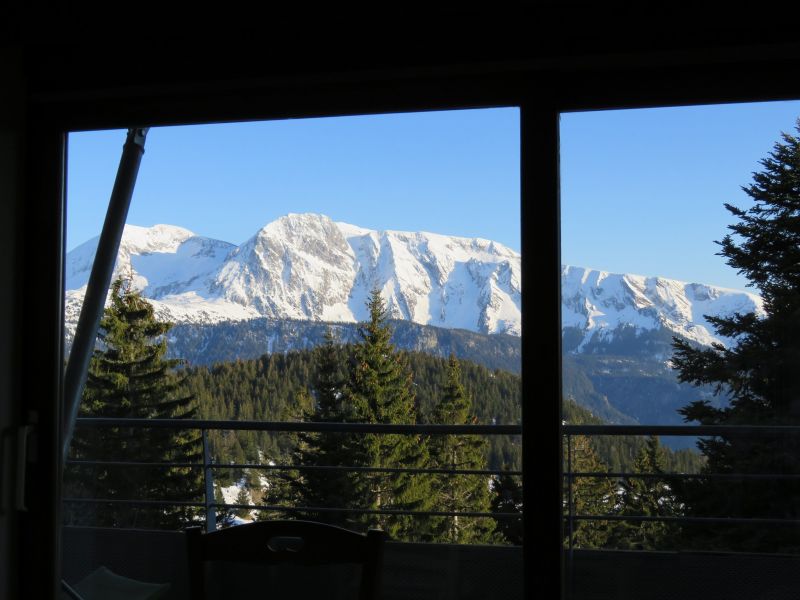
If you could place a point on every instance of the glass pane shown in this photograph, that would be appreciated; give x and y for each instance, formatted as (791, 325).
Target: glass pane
(679, 302)
(358, 273)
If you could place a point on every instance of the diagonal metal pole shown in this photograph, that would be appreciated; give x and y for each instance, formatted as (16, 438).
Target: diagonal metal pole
(100, 279)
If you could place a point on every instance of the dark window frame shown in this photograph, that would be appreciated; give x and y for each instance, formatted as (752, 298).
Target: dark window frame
(542, 90)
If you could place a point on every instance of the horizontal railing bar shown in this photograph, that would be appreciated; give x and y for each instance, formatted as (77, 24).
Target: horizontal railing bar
(433, 471)
(287, 426)
(426, 471)
(121, 463)
(299, 509)
(699, 520)
(371, 511)
(142, 502)
(683, 430)
(731, 476)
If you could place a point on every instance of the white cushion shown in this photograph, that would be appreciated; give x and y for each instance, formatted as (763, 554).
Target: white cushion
(104, 584)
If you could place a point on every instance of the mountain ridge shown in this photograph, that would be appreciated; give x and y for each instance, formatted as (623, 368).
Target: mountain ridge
(308, 267)
(280, 289)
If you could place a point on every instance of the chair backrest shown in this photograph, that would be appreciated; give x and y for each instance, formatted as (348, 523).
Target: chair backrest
(286, 542)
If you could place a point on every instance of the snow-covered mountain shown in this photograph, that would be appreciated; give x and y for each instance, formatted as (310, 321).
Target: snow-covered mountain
(309, 267)
(599, 307)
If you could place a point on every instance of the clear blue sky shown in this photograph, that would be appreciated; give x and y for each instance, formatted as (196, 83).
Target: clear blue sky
(642, 190)
(454, 172)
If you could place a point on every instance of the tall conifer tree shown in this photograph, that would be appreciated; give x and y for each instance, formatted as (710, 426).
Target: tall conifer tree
(507, 498)
(328, 488)
(381, 391)
(590, 496)
(458, 493)
(646, 497)
(129, 377)
(758, 374)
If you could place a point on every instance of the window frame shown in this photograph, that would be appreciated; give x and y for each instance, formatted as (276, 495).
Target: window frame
(541, 90)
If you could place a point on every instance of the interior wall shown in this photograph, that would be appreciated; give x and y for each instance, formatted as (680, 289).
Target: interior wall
(12, 131)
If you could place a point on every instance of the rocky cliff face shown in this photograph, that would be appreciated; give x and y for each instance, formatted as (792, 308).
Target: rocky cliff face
(600, 308)
(309, 267)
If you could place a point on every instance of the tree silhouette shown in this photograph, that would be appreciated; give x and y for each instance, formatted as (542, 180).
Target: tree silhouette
(328, 488)
(129, 377)
(758, 374)
(381, 391)
(458, 493)
(646, 497)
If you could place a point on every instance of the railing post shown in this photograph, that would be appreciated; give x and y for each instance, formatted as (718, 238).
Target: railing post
(208, 476)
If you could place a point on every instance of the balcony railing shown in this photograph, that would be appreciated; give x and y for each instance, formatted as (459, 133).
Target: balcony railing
(210, 506)
(739, 431)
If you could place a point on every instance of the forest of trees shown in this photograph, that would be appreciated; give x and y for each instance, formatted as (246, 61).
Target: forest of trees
(278, 387)
(315, 385)
(312, 384)
(629, 496)
(747, 495)
(369, 381)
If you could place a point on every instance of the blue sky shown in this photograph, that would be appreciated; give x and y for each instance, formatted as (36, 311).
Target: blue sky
(454, 172)
(642, 190)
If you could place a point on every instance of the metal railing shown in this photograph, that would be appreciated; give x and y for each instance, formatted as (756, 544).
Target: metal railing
(738, 431)
(208, 466)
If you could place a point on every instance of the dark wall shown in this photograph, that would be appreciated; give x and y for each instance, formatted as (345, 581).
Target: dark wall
(556, 58)
(12, 127)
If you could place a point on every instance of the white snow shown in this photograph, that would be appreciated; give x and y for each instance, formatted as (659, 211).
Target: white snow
(306, 266)
(598, 303)
(231, 492)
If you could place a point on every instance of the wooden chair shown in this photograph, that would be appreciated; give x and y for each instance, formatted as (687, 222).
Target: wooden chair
(305, 543)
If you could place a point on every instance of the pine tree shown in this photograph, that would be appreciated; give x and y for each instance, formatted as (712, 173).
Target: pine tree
(328, 488)
(646, 497)
(129, 377)
(507, 498)
(242, 497)
(458, 493)
(381, 391)
(591, 496)
(759, 374)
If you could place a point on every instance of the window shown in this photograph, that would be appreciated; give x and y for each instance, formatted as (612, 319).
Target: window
(375, 280)
(672, 444)
(72, 89)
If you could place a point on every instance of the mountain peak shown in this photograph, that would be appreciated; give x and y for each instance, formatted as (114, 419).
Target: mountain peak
(295, 220)
(306, 266)
(295, 226)
(158, 238)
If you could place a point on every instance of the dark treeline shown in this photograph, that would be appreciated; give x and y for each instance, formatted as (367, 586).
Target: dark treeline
(619, 453)
(276, 387)
(280, 387)
(211, 343)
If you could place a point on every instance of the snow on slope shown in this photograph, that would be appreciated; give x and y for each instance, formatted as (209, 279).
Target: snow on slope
(306, 266)
(599, 303)
(309, 267)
